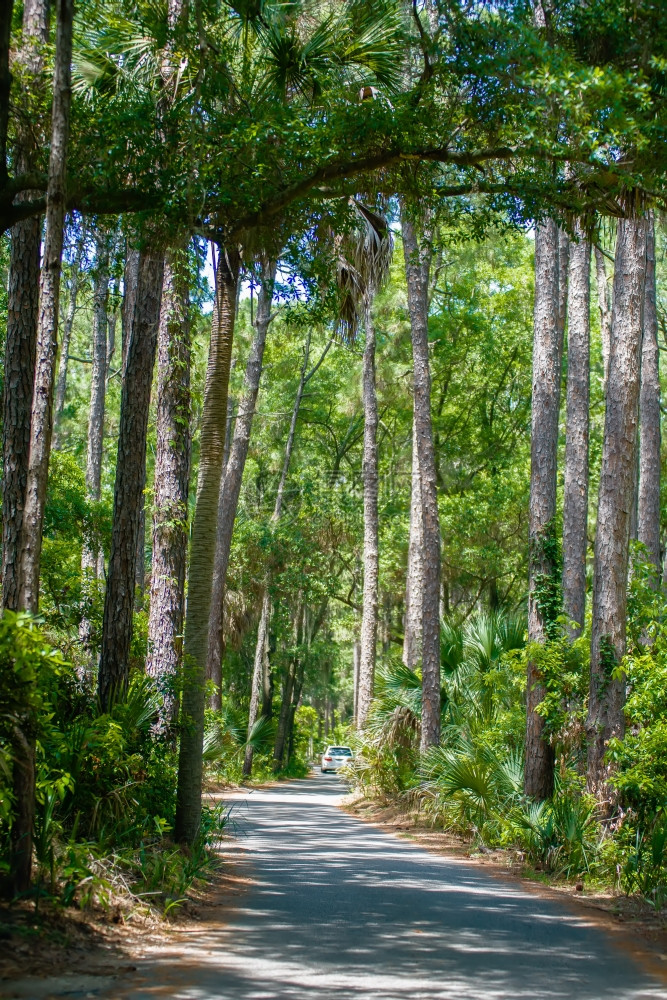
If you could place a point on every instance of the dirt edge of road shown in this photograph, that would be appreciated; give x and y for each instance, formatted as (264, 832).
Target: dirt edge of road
(637, 928)
(107, 941)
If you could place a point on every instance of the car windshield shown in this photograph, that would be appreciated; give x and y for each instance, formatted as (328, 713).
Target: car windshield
(341, 751)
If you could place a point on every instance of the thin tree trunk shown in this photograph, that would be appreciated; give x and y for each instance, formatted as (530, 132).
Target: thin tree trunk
(605, 312)
(258, 670)
(21, 333)
(130, 279)
(172, 472)
(21, 834)
(68, 325)
(356, 655)
(91, 548)
(288, 688)
(97, 393)
(262, 631)
(41, 426)
(417, 264)
(619, 462)
(130, 477)
(369, 616)
(575, 497)
(414, 575)
(230, 489)
(202, 549)
(6, 12)
(648, 507)
(544, 586)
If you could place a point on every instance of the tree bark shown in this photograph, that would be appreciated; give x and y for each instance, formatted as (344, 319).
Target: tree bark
(172, 472)
(202, 549)
(544, 585)
(130, 477)
(648, 507)
(21, 333)
(605, 312)
(21, 834)
(47, 323)
(230, 489)
(575, 496)
(414, 576)
(68, 324)
(369, 615)
(617, 473)
(417, 265)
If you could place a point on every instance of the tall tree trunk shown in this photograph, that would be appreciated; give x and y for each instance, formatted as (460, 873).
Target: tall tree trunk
(40, 434)
(202, 549)
(172, 472)
(414, 575)
(605, 312)
(262, 631)
(97, 393)
(648, 507)
(575, 497)
(130, 477)
(230, 489)
(369, 616)
(130, 279)
(98, 381)
(617, 474)
(41, 426)
(544, 585)
(21, 334)
(417, 265)
(68, 325)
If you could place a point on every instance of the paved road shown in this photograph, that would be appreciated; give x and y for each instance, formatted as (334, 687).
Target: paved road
(342, 911)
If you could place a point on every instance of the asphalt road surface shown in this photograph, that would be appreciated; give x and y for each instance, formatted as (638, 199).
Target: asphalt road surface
(339, 910)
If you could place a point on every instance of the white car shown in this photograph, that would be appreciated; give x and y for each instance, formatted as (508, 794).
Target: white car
(334, 758)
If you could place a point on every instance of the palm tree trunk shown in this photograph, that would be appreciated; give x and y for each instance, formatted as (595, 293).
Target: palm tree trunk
(369, 616)
(605, 312)
(617, 474)
(130, 477)
(230, 489)
(172, 472)
(21, 333)
(21, 833)
(648, 508)
(414, 576)
(202, 549)
(68, 324)
(575, 497)
(544, 585)
(417, 265)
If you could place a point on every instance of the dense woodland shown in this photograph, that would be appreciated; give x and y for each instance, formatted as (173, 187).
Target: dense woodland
(331, 410)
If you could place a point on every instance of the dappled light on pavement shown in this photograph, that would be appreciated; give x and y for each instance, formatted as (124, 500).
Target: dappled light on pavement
(340, 910)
